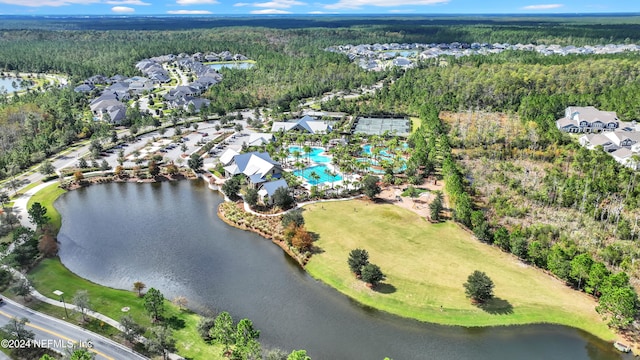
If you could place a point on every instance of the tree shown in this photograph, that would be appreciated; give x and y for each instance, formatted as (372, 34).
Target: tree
(82, 163)
(22, 288)
(47, 244)
(580, 268)
(78, 176)
(80, 353)
(371, 274)
(38, 214)
(154, 303)
(247, 345)
(139, 286)
(180, 302)
(81, 301)
(619, 305)
(302, 239)
(370, 186)
(195, 162)
(251, 196)
(204, 327)
(161, 341)
(358, 258)
(282, 199)
(298, 355)
(231, 187)
(154, 169)
(479, 287)
(294, 217)
(46, 168)
(131, 330)
(183, 147)
(104, 165)
(436, 206)
(222, 331)
(16, 327)
(4, 198)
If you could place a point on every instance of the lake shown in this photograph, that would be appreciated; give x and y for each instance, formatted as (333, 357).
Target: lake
(168, 236)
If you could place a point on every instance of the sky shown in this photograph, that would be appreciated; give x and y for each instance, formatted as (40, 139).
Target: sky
(306, 7)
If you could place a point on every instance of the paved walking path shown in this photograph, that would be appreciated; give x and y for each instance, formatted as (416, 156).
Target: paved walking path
(20, 204)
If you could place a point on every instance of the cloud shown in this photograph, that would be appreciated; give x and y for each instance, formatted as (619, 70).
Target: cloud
(356, 4)
(399, 11)
(126, 2)
(122, 9)
(241, 4)
(269, 12)
(279, 4)
(196, 2)
(189, 12)
(54, 3)
(543, 7)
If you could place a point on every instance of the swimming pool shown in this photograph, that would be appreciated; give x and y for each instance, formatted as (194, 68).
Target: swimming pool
(320, 170)
(384, 155)
(314, 155)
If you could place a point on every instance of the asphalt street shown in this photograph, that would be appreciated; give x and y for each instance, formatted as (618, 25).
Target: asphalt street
(60, 335)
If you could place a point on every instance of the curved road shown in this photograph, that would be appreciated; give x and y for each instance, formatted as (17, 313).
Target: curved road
(59, 335)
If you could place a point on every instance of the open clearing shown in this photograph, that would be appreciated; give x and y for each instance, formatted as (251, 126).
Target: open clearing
(426, 265)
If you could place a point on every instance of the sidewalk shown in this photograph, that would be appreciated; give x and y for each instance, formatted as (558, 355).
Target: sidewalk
(20, 204)
(21, 207)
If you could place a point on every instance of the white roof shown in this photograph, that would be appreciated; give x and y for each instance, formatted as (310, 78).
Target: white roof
(227, 156)
(257, 139)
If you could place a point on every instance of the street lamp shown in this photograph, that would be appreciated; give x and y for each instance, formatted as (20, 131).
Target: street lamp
(60, 293)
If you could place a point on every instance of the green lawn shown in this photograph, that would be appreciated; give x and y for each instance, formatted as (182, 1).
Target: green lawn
(426, 265)
(415, 123)
(51, 275)
(46, 197)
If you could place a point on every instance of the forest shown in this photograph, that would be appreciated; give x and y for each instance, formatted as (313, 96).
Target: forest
(511, 176)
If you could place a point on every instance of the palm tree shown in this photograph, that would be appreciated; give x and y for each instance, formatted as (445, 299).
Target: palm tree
(331, 174)
(307, 150)
(315, 177)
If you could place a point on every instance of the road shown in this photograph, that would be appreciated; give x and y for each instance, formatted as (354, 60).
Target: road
(60, 335)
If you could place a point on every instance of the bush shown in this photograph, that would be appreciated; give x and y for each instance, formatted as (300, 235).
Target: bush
(293, 217)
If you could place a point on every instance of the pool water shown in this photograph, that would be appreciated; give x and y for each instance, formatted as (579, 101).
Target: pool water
(366, 150)
(314, 155)
(321, 171)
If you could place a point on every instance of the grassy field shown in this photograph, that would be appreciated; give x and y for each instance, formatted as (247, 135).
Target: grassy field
(426, 266)
(51, 275)
(46, 197)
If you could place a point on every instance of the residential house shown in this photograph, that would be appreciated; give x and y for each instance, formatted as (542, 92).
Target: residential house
(307, 124)
(587, 119)
(84, 88)
(612, 140)
(626, 157)
(115, 110)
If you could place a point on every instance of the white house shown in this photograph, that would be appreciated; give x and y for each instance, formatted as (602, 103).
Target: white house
(587, 119)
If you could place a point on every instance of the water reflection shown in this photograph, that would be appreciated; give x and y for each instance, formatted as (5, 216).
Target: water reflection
(168, 236)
